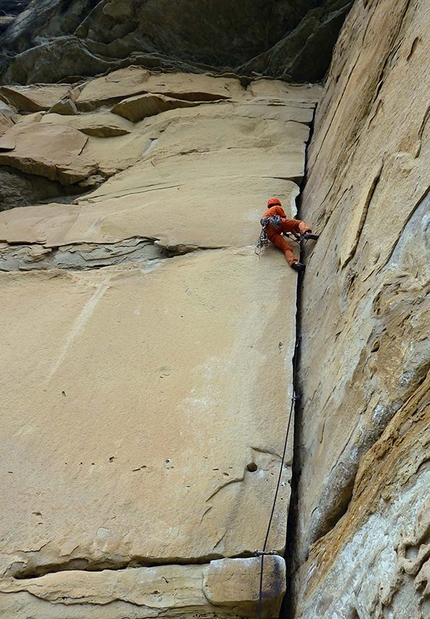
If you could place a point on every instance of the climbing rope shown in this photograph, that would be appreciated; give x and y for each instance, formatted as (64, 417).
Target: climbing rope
(262, 553)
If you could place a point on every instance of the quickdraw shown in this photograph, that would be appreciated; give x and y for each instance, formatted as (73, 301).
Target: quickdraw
(263, 241)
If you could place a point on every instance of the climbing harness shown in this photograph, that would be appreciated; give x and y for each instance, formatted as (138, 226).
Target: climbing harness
(262, 553)
(263, 241)
(274, 220)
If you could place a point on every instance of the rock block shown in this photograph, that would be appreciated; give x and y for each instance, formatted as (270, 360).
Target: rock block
(141, 106)
(35, 97)
(47, 150)
(102, 125)
(135, 80)
(230, 583)
(162, 591)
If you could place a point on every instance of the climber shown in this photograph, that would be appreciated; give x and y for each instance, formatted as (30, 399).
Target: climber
(274, 222)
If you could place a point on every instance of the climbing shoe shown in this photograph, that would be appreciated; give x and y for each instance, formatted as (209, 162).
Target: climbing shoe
(298, 266)
(309, 235)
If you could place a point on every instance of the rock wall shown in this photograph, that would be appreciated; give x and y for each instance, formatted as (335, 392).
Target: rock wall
(55, 39)
(147, 357)
(362, 511)
(146, 369)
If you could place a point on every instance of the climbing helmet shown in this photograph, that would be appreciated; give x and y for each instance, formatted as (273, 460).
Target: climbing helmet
(273, 202)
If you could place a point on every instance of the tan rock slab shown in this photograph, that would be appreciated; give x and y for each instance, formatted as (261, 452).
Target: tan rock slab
(149, 418)
(141, 106)
(6, 143)
(135, 80)
(64, 106)
(147, 412)
(366, 302)
(151, 592)
(384, 533)
(34, 98)
(6, 115)
(306, 95)
(102, 125)
(200, 181)
(174, 216)
(47, 150)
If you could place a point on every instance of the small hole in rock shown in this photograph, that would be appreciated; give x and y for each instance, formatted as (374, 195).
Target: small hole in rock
(252, 467)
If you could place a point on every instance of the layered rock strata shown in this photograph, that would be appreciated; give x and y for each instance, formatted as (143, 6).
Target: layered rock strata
(96, 129)
(146, 370)
(363, 516)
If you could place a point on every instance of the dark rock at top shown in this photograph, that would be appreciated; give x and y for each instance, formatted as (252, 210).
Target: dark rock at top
(12, 7)
(54, 40)
(8, 10)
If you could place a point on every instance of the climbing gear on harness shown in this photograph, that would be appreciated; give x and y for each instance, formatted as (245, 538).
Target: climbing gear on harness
(298, 266)
(273, 220)
(263, 241)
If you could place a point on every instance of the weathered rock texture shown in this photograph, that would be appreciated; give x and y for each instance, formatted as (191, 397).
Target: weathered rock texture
(116, 122)
(363, 514)
(140, 453)
(55, 39)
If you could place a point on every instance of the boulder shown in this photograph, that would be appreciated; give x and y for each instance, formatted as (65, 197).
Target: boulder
(305, 53)
(66, 57)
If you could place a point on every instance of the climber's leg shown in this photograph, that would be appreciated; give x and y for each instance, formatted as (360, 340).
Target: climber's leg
(279, 241)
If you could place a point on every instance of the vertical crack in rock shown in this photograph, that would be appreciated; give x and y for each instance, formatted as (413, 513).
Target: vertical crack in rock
(287, 609)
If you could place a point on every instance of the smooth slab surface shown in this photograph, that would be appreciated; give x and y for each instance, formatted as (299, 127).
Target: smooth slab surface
(146, 401)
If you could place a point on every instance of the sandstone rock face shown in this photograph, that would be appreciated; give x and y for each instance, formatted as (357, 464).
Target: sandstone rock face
(55, 39)
(108, 128)
(365, 320)
(143, 449)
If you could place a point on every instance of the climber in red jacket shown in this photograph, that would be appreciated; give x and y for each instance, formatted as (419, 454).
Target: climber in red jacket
(274, 222)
